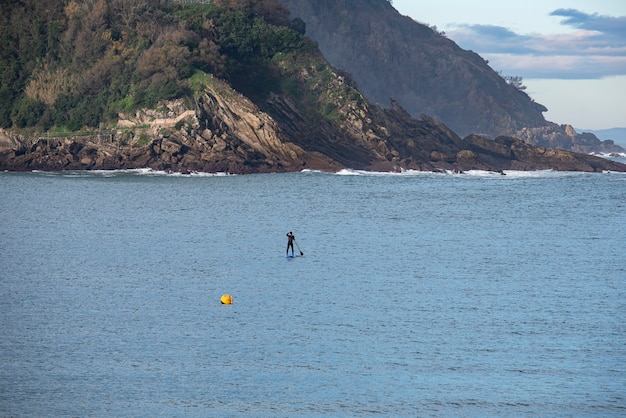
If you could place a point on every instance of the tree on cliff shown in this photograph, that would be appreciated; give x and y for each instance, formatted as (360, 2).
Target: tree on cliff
(515, 81)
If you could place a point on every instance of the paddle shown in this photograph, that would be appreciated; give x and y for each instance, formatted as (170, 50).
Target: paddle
(301, 253)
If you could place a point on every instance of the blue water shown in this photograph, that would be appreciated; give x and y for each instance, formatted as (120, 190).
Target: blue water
(417, 295)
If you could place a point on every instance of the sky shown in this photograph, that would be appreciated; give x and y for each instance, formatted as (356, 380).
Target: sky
(571, 54)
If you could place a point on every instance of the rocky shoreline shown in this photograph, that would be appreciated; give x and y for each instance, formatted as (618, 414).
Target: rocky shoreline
(227, 133)
(174, 154)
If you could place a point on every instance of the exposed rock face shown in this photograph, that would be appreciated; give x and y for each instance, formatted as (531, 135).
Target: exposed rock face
(229, 124)
(565, 137)
(513, 154)
(427, 73)
(9, 141)
(392, 55)
(228, 133)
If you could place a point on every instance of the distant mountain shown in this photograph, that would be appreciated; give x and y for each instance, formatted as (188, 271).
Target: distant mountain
(618, 135)
(391, 55)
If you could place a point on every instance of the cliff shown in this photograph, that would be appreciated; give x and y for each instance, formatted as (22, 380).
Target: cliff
(228, 133)
(221, 87)
(391, 55)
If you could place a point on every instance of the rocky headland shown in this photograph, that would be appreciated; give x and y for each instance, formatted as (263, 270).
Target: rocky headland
(226, 132)
(238, 87)
(393, 55)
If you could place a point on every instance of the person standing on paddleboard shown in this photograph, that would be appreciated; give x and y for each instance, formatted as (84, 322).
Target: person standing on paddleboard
(290, 238)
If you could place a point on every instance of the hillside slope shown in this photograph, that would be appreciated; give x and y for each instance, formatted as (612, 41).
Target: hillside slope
(230, 86)
(391, 55)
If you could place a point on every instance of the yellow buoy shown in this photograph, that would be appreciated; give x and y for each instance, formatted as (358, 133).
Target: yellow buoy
(226, 299)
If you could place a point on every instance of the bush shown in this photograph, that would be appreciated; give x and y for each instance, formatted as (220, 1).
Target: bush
(27, 112)
(82, 63)
(159, 89)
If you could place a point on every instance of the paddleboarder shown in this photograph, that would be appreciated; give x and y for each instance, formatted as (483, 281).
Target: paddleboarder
(290, 239)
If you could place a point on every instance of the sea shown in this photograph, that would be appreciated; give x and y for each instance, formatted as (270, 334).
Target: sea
(410, 294)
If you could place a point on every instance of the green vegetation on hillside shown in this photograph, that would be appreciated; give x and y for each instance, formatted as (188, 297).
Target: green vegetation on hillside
(75, 64)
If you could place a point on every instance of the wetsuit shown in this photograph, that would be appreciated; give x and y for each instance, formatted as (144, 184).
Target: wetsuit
(291, 237)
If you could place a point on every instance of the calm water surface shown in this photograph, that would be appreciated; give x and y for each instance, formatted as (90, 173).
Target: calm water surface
(417, 295)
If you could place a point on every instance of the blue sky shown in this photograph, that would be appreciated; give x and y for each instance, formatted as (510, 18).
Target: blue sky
(571, 54)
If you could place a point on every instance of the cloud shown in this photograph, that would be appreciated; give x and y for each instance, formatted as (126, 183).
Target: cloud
(608, 25)
(565, 67)
(488, 38)
(596, 49)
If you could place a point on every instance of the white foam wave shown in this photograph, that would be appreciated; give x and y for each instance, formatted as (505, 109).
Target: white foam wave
(610, 155)
(506, 174)
(135, 171)
(352, 172)
(416, 173)
(150, 172)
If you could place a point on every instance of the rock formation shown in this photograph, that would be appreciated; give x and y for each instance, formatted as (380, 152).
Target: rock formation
(565, 137)
(276, 107)
(228, 133)
(392, 55)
